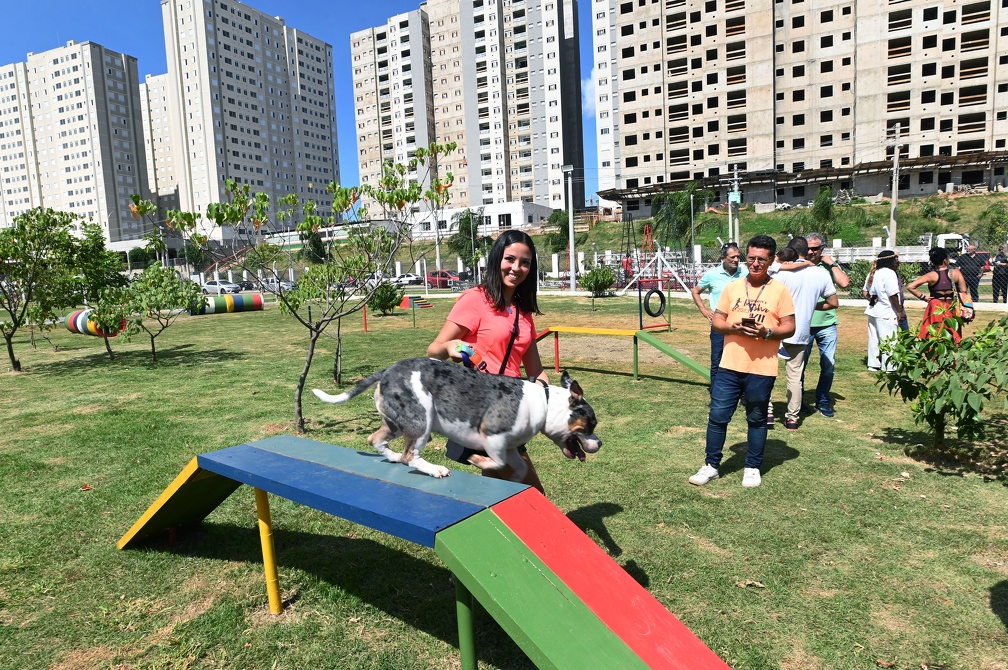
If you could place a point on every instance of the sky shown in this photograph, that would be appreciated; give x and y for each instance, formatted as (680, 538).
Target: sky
(134, 27)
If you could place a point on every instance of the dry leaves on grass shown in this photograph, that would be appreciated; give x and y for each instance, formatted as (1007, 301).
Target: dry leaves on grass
(749, 583)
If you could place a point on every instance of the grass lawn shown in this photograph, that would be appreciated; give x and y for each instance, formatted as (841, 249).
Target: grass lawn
(851, 554)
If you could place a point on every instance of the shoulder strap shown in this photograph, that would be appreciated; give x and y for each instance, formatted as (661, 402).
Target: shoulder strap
(510, 346)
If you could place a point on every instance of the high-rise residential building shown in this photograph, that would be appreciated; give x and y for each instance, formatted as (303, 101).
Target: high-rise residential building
(505, 86)
(393, 98)
(798, 94)
(157, 142)
(71, 137)
(250, 99)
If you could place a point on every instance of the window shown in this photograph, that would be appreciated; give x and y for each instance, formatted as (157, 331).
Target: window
(797, 21)
(929, 41)
(929, 69)
(927, 96)
(826, 115)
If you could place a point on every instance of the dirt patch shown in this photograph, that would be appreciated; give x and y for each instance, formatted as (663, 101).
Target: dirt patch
(86, 659)
(612, 349)
(799, 659)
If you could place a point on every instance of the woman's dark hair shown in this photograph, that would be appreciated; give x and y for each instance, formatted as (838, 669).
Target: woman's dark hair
(887, 259)
(938, 256)
(493, 287)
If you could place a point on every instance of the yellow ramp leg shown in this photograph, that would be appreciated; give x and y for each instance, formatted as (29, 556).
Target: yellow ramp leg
(269, 552)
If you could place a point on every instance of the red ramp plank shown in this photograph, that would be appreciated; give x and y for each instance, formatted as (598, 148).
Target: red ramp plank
(656, 636)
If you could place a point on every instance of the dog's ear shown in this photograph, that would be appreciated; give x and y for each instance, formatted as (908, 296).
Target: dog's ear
(577, 395)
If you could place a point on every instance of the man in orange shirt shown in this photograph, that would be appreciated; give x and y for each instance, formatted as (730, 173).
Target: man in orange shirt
(754, 314)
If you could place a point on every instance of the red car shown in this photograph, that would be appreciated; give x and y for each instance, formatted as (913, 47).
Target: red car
(442, 278)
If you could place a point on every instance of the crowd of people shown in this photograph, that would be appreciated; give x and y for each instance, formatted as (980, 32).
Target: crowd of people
(765, 310)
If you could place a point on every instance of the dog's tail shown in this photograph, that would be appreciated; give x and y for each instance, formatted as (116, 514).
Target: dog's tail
(355, 391)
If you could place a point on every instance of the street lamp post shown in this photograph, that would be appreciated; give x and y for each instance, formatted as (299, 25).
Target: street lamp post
(568, 170)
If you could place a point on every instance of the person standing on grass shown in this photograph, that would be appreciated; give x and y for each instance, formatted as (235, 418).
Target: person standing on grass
(946, 287)
(754, 314)
(823, 329)
(811, 289)
(885, 306)
(999, 281)
(714, 281)
(971, 267)
(495, 319)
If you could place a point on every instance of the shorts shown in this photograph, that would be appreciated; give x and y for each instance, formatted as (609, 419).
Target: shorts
(461, 454)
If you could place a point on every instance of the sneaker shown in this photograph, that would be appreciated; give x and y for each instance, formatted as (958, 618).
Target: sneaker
(769, 418)
(807, 410)
(704, 475)
(751, 478)
(791, 424)
(825, 409)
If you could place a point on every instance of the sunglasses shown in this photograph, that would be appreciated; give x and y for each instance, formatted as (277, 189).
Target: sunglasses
(815, 248)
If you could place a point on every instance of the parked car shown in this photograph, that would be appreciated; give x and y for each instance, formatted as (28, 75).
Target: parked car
(246, 284)
(271, 284)
(408, 278)
(442, 278)
(220, 286)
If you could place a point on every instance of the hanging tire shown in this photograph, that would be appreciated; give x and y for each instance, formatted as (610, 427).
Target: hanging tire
(661, 303)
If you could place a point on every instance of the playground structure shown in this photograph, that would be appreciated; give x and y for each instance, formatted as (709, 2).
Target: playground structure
(549, 586)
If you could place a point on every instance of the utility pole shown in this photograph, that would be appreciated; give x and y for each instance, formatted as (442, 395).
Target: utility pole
(895, 144)
(734, 198)
(572, 265)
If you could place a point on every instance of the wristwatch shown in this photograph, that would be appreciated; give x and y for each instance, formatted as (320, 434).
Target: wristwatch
(769, 332)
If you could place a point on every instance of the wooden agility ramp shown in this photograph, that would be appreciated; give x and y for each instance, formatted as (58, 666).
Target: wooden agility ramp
(562, 599)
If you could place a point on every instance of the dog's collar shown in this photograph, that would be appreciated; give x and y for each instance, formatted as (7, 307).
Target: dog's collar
(545, 386)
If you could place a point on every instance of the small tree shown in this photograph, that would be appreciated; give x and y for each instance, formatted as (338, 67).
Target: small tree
(945, 382)
(598, 280)
(99, 276)
(467, 243)
(385, 298)
(37, 255)
(156, 298)
(674, 211)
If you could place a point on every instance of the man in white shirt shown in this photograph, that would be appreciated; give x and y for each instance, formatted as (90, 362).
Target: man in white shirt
(808, 284)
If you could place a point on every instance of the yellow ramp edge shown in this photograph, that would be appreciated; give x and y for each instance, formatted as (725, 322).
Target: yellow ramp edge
(187, 501)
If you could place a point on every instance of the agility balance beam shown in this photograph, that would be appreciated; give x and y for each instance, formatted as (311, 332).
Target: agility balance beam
(555, 592)
(688, 362)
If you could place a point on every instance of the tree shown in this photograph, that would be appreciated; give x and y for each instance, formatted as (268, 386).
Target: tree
(158, 295)
(598, 280)
(467, 243)
(99, 276)
(36, 265)
(821, 217)
(945, 382)
(674, 211)
(325, 292)
(994, 228)
(386, 298)
(558, 237)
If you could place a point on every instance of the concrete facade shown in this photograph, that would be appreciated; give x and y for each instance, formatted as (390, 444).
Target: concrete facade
(799, 94)
(251, 99)
(71, 137)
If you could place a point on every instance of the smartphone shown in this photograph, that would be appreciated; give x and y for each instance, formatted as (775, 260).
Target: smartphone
(749, 322)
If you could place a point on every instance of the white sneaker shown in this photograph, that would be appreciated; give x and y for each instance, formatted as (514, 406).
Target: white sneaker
(751, 478)
(705, 474)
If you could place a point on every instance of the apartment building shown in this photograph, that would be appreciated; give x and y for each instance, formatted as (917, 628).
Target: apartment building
(505, 86)
(393, 97)
(71, 137)
(163, 180)
(798, 94)
(251, 99)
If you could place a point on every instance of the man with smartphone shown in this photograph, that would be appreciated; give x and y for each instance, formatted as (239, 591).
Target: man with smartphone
(754, 314)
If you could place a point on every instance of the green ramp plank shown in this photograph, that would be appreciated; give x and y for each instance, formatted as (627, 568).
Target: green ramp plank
(626, 607)
(187, 501)
(462, 486)
(537, 610)
(677, 355)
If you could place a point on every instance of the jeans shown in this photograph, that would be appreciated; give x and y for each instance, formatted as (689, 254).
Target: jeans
(826, 338)
(728, 388)
(716, 348)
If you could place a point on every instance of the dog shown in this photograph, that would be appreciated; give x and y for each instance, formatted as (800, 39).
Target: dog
(485, 412)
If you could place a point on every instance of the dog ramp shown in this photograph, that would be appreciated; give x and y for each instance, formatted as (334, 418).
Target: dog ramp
(559, 596)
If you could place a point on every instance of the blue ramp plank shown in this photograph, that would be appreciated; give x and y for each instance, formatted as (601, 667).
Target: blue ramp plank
(401, 510)
(462, 486)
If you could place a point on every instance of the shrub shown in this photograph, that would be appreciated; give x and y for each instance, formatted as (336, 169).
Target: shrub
(598, 280)
(386, 298)
(948, 383)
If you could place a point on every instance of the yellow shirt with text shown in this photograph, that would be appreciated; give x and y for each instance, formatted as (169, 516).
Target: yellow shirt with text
(767, 304)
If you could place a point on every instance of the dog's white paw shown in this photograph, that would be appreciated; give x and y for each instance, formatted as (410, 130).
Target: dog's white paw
(423, 466)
